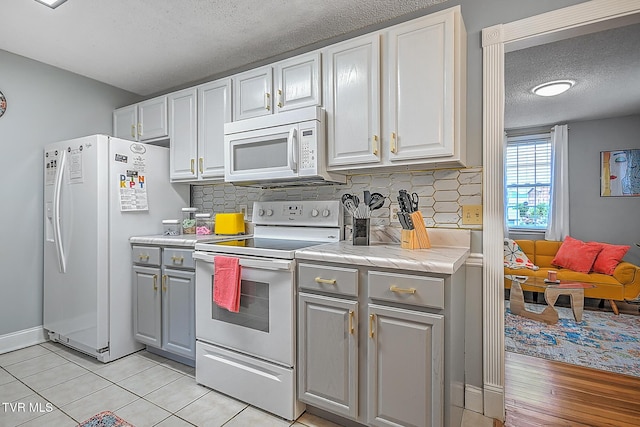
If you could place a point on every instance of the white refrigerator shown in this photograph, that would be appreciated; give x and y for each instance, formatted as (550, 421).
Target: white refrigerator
(98, 192)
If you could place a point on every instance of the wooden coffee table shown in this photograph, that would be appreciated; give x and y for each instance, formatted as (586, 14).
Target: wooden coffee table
(552, 291)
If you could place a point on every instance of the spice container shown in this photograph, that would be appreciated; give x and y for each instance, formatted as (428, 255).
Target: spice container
(204, 223)
(189, 220)
(171, 227)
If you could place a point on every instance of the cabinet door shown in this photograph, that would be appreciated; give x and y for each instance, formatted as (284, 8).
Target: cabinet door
(252, 93)
(297, 82)
(178, 312)
(125, 122)
(328, 353)
(146, 305)
(420, 84)
(183, 135)
(152, 119)
(214, 110)
(405, 367)
(352, 101)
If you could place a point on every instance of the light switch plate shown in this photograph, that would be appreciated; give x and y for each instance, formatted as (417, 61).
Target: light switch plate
(472, 214)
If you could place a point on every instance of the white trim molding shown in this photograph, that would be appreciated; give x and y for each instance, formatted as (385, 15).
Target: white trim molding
(582, 18)
(22, 339)
(473, 399)
(474, 260)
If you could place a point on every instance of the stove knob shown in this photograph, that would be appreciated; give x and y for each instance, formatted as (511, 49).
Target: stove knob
(314, 213)
(261, 212)
(269, 212)
(325, 213)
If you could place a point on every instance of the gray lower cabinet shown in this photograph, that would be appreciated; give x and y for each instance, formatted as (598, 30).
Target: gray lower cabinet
(328, 353)
(164, 299)
(404, 367)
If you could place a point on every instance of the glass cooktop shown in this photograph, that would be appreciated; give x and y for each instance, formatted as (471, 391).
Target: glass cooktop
(259, 246)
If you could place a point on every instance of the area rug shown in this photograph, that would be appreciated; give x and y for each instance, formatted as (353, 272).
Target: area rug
(601, 341)
(105, 419)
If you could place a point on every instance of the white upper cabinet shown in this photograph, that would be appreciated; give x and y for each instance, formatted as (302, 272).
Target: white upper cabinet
(352, 101)
(297, 82)
(422, 60)
(144, 121)
(183, 134)
(197, 117)
(252, 93)
(214, 110)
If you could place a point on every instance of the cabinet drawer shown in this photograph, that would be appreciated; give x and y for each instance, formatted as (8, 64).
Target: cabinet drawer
(407, 289)
(145, 255)
(328, 279)
(172, 257)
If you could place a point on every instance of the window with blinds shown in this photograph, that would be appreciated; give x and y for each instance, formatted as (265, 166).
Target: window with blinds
(528, 181)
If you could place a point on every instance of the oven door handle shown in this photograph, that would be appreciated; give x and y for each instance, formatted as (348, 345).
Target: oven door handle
(275, 264)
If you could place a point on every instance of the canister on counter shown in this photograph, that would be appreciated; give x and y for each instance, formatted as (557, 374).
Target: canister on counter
(204, 223)
(189, 220)
(171, 227)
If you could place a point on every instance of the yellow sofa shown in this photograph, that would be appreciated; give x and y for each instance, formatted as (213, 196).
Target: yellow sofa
(623, 285)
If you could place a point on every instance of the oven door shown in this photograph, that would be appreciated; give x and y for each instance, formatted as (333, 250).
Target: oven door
(264, 326)
(264, 154)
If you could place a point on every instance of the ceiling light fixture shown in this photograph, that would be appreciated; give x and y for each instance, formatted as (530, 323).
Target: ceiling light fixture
(553, 88)
(51, 3)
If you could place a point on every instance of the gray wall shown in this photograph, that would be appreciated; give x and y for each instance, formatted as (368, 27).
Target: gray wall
(604, 219)
(45, 104)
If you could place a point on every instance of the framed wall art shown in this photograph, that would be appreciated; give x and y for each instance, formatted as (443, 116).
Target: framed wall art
(620, 173)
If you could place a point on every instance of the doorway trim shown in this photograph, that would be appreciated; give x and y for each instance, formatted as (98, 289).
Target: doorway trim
(594, 15)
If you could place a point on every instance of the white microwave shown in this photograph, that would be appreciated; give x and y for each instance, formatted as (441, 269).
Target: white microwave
(283, 149)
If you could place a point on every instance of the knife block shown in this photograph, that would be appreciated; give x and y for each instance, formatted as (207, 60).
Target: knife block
(416, 238)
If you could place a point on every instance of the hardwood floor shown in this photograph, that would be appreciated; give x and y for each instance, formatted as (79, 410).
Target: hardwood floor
(540, 392)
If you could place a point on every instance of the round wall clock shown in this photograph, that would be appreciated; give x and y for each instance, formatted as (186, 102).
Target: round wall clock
(3, 104)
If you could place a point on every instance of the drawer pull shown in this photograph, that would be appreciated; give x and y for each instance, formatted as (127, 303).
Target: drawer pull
(144, 257)
(325, 281)
(371, 326)
(192, 166)
(396, 289)
(164, 283)
(155, 282)
(177, 259)
(351, 313)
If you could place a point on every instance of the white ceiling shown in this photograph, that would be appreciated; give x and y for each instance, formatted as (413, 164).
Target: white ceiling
(150, 46)
(605, 66)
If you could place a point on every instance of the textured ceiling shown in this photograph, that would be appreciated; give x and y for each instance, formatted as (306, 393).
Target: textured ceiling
(150, 46)
(605, 66)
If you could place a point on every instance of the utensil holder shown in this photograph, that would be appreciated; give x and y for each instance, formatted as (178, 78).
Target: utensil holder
(361, 231)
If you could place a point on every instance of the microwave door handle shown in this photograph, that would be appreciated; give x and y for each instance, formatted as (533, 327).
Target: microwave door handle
(292, 142)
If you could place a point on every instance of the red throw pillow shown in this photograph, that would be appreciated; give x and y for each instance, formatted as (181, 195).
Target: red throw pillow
(576, 255)
(609, 258)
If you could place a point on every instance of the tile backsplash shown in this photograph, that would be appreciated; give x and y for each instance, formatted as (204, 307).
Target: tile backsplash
(442, 194)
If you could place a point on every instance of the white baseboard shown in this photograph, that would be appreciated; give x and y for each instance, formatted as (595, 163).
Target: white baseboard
(22, 339)
(473, 399)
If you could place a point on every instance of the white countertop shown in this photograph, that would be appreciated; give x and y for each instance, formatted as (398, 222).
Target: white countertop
(183, 240)
(437, 259)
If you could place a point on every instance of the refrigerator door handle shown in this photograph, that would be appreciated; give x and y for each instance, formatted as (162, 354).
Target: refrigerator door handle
(57, 234)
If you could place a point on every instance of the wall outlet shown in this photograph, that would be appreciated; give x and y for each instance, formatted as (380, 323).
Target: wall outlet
(472, 214)
(394, 208)
(245, 211)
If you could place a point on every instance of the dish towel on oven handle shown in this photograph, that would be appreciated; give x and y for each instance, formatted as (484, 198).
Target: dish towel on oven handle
(226, 283)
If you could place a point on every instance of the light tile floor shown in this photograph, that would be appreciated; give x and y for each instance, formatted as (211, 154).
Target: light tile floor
(52, 385)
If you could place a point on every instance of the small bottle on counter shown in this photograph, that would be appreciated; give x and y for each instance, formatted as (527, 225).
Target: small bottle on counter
(171, 227)
(204, 223)
(189, 220)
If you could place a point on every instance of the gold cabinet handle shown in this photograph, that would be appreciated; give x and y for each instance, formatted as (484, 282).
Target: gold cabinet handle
(164, 283)
(351, 313)
(178, 259)
(280, 104)
(394, 143)
(133, 131)
(376, 145)
(155, 282)
(371, 317)
(201, 163)
(267, 101)
(143, 257)
(192, 165)
(398, 290)
(140, 129)
(325, 281)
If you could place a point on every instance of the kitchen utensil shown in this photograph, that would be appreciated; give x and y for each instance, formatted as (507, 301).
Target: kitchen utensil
(376, 202)
(414, 202)
(229, 223)
(367, 197)
(349, 204)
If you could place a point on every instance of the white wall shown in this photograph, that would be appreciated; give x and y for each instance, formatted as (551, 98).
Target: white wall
(45, 104)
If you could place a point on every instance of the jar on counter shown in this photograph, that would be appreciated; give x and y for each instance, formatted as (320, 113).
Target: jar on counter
(204, 223)
(189, 220)
(171, 227)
